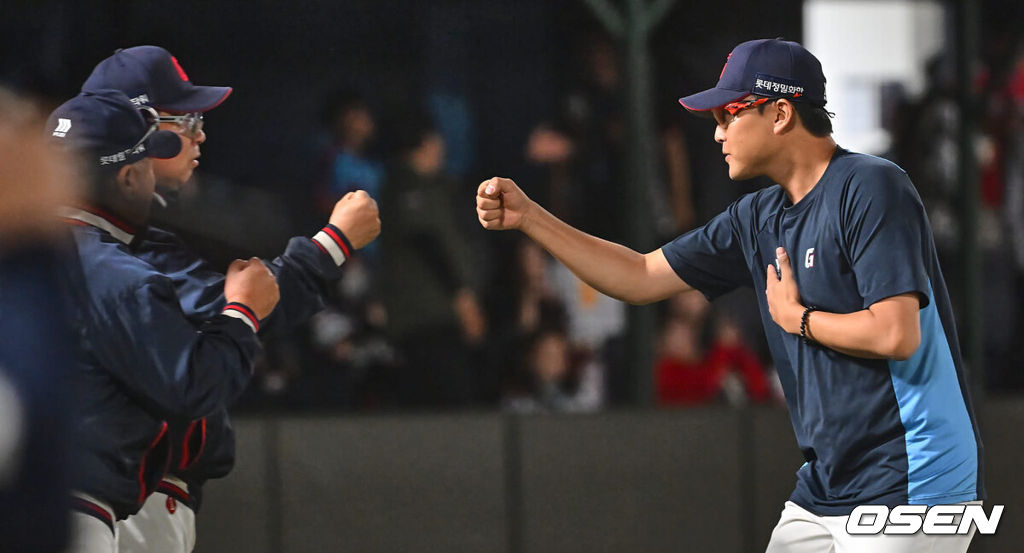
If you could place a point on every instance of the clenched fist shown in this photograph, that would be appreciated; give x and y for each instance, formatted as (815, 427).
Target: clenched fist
(251, 283)
(357, 216)
(501, 205)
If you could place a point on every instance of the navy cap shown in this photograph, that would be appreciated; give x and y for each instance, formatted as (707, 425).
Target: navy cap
(151, 76)
(766, 67)
(110, 131)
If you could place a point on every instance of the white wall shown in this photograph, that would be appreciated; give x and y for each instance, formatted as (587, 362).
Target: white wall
(863, 44)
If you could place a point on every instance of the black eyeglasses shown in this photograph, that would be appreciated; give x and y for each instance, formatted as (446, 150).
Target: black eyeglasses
(189, 124)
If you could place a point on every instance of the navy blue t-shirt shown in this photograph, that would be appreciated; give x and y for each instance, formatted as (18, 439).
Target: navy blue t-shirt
(873, 431)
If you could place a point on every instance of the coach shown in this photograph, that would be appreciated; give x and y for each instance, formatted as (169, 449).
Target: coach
(858, 320)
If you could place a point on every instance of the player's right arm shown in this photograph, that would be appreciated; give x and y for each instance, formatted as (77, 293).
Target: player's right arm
(307, 265)
(612, 269)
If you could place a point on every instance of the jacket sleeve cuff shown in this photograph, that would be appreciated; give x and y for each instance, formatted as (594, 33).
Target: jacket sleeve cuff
(243, 313)
(333, 242)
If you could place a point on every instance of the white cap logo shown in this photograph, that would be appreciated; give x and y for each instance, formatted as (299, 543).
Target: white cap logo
(63, 126)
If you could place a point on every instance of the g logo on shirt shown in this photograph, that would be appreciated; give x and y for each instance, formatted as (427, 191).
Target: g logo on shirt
(809, 258)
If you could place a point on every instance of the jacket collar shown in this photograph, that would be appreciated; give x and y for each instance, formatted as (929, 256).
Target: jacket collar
(102, 220)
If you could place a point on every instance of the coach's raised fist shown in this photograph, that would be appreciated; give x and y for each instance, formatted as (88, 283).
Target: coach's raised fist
(251, 282)
(501, 205)
(357, 216)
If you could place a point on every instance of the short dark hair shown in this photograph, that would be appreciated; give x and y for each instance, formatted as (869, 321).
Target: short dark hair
(816, 119)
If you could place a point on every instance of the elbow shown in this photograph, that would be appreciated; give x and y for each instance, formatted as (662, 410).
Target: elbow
(905, 351)
(200, 399)
(903, 345)
(639, 297)
(635, 300)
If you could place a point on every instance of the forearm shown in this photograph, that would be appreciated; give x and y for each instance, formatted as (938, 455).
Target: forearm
(888, 329)
(302, 272)
(219, 368)
(612, 269)
(184, 371)
(859, 334)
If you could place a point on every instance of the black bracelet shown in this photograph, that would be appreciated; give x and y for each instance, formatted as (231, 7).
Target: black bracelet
(803, 323)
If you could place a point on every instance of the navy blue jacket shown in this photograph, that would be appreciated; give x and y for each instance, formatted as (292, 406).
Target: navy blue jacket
(161, 350)
(205, 448)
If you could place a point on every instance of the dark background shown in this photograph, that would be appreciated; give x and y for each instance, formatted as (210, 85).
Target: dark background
(707, 480)
(511, 62)
(510, 59)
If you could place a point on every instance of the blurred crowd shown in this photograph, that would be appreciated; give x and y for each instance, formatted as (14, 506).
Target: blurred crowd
(439, 314)
(925, 132)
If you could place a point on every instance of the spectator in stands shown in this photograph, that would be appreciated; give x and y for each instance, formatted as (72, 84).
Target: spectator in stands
(352, 128)
(552, 379)
(583, 148)
(1015, 164)
(347, 164)
(690, 373)
(427, 279)
(672, 202)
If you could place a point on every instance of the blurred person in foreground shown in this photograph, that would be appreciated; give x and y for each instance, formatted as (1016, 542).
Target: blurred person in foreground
(859, 326)
(427, 282)
(160, 311)
(36, 337)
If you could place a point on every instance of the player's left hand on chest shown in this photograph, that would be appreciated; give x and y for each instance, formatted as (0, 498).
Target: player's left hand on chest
(783, 295)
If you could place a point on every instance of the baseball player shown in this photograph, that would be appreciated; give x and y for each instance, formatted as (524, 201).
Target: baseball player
(852, 300)
(203, 448)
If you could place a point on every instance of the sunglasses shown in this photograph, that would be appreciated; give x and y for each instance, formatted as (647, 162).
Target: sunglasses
(737, 107)
(190, 124)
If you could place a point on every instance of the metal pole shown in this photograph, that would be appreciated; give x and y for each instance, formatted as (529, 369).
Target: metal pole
(966, 25)
(642, 319)
(633, 30)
